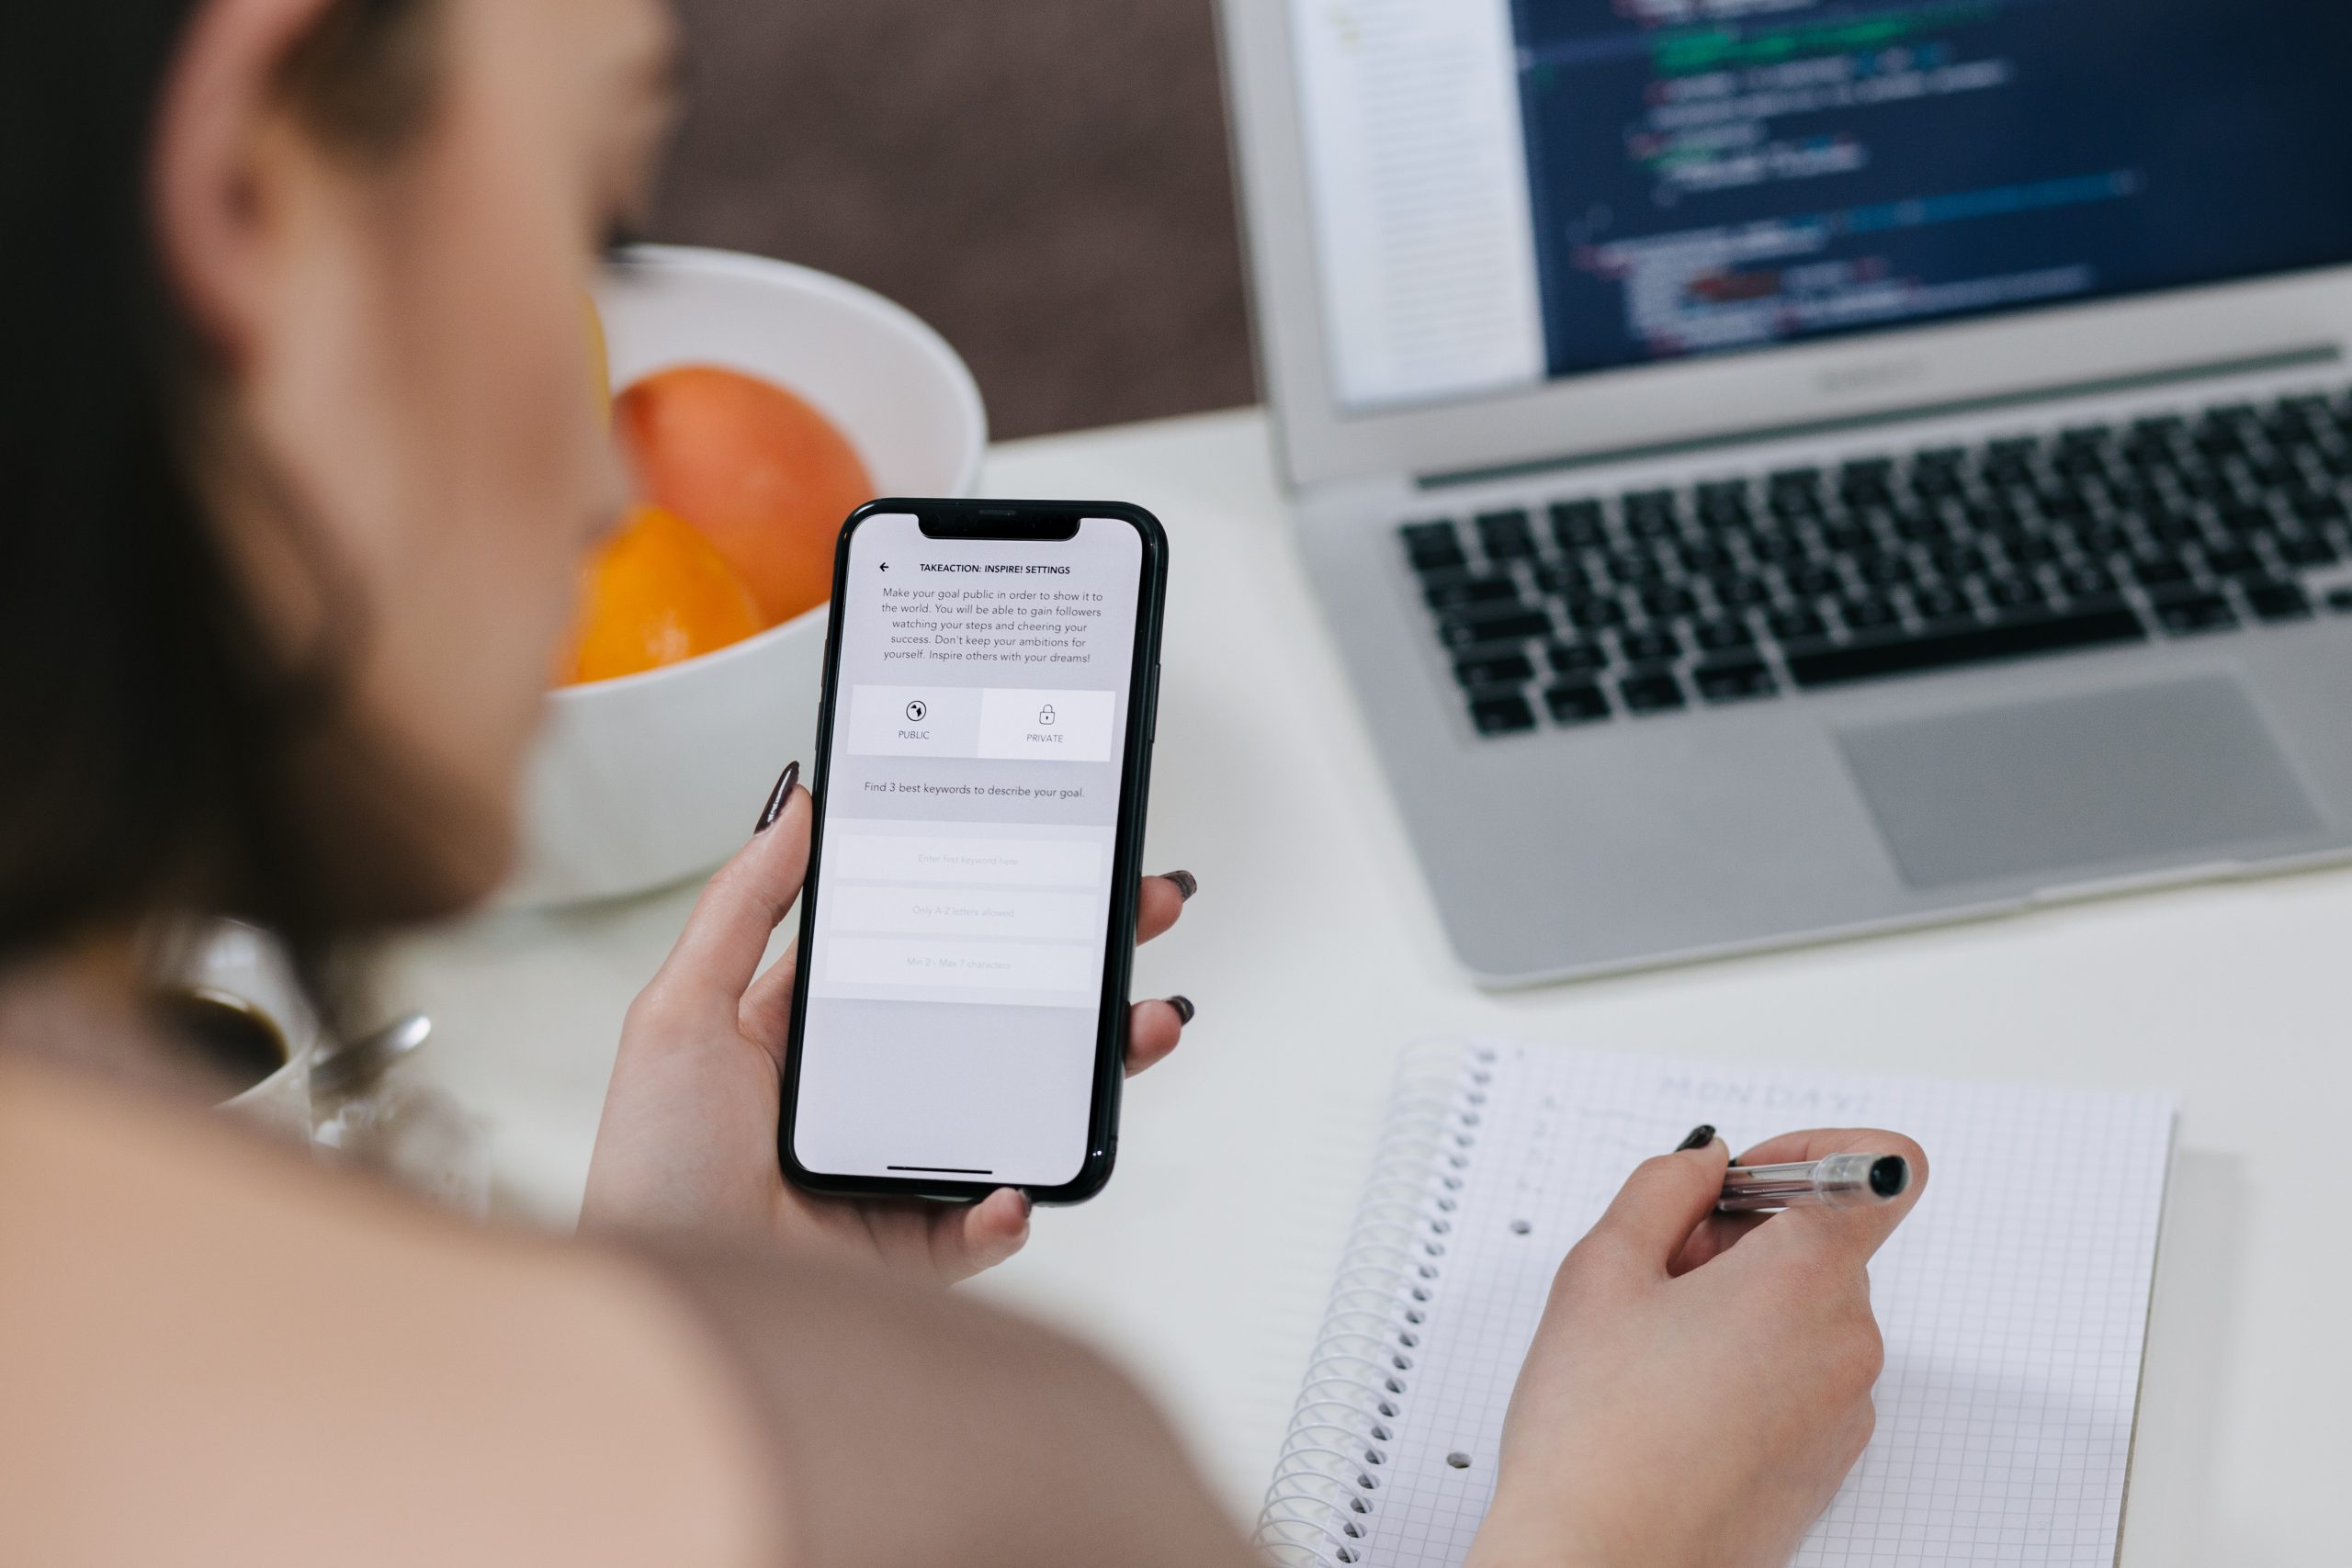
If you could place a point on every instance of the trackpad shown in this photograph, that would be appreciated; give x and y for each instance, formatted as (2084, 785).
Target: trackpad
(2147, 774)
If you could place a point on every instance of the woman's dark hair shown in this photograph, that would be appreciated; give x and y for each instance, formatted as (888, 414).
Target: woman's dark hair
(148, 730)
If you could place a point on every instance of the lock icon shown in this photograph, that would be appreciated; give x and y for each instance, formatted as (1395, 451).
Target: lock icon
(1045, 715)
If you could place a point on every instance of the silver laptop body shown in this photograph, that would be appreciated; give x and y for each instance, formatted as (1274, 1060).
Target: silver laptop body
(1931, 545)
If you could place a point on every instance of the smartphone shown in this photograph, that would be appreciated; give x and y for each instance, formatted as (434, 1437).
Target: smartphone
(959, 1016)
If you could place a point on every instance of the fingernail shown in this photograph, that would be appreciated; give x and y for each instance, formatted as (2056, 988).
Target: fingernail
(1701, 1137)
(1186, 884)
(1027, 1206)
(783, 783)
(1183, 1006)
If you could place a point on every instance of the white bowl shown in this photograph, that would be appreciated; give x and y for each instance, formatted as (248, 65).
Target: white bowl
(643, 781)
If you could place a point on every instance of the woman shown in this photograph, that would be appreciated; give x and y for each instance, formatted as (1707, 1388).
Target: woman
(301, 459)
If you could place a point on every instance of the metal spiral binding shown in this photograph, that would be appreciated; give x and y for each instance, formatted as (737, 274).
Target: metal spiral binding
(1325, 1503)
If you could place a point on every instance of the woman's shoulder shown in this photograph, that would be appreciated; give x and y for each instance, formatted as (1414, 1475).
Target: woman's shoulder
(214, 1350)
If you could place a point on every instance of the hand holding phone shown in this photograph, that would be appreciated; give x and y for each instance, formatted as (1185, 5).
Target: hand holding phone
(959, 1013)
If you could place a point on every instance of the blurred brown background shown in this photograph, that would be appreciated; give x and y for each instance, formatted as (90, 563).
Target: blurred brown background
(1044, 181)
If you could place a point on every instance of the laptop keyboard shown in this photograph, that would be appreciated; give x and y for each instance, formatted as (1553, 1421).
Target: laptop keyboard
(1597, 608)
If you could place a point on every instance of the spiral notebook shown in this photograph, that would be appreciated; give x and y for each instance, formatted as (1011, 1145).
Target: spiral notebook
(2013, 1302)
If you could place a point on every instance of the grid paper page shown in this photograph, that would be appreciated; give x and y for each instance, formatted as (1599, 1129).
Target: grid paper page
(2014, 1300)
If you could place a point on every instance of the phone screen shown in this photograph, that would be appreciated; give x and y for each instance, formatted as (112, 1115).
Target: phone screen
(972, 806)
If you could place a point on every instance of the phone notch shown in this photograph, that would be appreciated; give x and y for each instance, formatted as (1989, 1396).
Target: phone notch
(1001, 522)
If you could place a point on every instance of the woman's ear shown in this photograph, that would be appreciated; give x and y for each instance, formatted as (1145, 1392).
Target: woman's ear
(225, 177)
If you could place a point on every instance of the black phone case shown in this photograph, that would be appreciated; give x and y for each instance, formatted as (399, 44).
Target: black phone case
(989, 519)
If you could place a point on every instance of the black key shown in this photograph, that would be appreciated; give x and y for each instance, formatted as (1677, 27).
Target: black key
(2319, 508)
(2087, 582)
(2031, 549)
(1650, 693)
(1578, 525)
(1868, 615)
(1494, 669)
(1814, 583)
(1716, 637)
(1580, 703)
(1466, 629)
(1506, 535)
(2064, 500)
(1461, 591)
(1804, 481)
(2080, 461)
(1652, 525)
(1576, 658)
(1501, 713)
(2017, 638)
(1668, 600)
(1639, 502)
(1885, 572)
(2183, 614)
(2277, 601)
(1562, 579)
(1920, 527)
(1436, 531)
(1596, 614)
(1958, 560)
(1794, 626)
(2311, 550)
(1633, 566)
(1433, 554)
(1741, 593)
(2102, 538)
(1732, 680)
(2235, 562)
(2162, 572)
(1650, 645)
(1702, 558)
(2248, 522)
(1849, 538)
(2339, 600)
(2014, 592)
(1777, 546)
(1941, 603)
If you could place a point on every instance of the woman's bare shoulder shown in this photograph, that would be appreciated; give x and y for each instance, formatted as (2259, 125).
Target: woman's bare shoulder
(211, 1350)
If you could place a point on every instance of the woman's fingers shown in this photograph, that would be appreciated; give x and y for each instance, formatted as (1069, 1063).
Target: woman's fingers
(980, 1236)
(728, 932)
(1153, 1031)
(1162, 900)
(1861, 1231)
(766, 1014)
(1661, 1204)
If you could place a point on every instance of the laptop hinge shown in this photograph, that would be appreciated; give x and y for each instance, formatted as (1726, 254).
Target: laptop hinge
(2286, 359)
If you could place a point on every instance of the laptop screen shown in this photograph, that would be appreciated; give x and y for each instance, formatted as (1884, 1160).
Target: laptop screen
(1509, 191)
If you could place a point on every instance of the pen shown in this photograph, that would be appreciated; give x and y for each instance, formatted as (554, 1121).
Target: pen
(1834, 1181)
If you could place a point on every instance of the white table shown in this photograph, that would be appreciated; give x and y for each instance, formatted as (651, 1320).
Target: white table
(1313, 952)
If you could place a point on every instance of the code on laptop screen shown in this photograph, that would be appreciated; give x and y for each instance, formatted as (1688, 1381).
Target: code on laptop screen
(1702, 176)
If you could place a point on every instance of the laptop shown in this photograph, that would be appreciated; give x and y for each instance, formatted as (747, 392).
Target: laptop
(1779, 469)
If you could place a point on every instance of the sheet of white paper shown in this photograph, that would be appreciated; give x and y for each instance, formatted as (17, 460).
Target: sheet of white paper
(2014, 1301)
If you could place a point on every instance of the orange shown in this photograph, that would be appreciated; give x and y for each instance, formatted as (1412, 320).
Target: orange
(656, 593)
(765, 477)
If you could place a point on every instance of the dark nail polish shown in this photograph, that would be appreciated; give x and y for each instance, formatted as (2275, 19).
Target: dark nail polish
(1186, 884)
(776, 802)
(1183, 1006)
(1701, 1137)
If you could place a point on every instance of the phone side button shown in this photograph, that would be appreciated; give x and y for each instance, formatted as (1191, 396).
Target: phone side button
(1152, 708)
